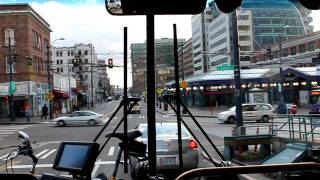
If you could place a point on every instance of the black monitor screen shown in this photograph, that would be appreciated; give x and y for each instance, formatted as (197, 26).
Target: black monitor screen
(73, 156)
(76, 157)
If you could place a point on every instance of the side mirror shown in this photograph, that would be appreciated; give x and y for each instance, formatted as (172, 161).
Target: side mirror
(24, 138)
(311, 4)
(228, 6)
(156, 7)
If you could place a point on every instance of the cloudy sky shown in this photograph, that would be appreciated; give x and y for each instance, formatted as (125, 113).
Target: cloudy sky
(87, 21)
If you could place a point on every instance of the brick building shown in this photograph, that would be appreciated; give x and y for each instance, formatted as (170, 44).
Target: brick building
(29, 36)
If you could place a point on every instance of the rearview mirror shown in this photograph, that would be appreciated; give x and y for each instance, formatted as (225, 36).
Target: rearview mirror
(156, 7)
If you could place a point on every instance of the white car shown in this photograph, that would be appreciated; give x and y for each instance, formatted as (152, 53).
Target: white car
(250, 112)
(136, 108)
(79, 117)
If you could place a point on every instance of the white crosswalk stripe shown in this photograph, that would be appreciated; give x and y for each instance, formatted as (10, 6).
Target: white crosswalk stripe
(48, 154)
(4, 156)
(8, 130)
(42, 152)
(111, 151)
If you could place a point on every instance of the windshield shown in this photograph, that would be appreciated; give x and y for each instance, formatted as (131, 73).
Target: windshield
(62, 73)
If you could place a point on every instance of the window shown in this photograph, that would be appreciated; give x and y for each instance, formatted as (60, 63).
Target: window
(197, 68)
(293, 51)
(68, 53)
(86, 69)
(46, 45)
(72, 69)
(312, 46)
(264, 108)
(58, 69)
(79, 52)
(302, 48)
(61, 61)
(61, 69)
(85, 52)
(57, 53)
(86, 76)
(9, 33)
(86, 60)
(58, 61)
(60, 53)
(8, 66)
(36, 40)
(71, 53)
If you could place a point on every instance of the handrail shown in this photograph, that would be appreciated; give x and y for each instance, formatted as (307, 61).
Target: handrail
(236, 170)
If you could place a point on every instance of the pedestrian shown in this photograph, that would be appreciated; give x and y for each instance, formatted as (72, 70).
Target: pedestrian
(282, 108)
(28, 112)
(44, 112)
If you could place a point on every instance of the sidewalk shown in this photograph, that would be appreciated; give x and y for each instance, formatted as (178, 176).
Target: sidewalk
(214, 111)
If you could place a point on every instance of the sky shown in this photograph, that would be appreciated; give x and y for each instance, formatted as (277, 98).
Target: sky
(87, 21)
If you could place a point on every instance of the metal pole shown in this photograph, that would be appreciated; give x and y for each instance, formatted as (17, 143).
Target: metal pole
(49, 82)
(237, 75)
(280, 67)
(91, 78)
(176, 64)
(151, 96)
(125, 98)
(11, 111)
(70, 94)
(183, 76)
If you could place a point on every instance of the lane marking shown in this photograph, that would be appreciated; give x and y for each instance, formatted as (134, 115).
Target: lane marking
(4, 156)
(8, 165)
(48, 154)
(50, 165)
(42, 152)
(95, 169)
(111, 151)
(8, 133)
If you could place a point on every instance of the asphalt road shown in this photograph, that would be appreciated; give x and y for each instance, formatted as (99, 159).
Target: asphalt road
(48, 138)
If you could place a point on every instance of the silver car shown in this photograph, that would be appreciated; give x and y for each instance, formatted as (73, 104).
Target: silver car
(167, 146)
(79, 117)
(250, 112)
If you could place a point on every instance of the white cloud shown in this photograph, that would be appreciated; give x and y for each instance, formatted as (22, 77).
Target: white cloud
(93, 24)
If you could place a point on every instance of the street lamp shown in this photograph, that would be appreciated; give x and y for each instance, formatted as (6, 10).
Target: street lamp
(50, 87)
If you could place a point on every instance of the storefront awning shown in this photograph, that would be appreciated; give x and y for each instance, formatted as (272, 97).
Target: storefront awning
(60, 94)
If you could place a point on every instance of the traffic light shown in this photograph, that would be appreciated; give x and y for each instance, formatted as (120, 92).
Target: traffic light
(228, 6)
(110, 63)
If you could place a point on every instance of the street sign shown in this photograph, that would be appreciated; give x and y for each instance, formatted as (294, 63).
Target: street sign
(225, 67)
(184, 84)
(50, 96)
(12, 89)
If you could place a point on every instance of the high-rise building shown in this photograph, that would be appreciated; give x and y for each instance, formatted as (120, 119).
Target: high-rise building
(186, 59)
(200, 23)
(260, 24)
(164, 62)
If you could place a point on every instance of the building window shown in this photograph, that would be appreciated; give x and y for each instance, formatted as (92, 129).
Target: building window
(85, 52)
(61, 61)
(46, 46)
(79, 52)
(36, 39)
(58, 70)
(9, 33)
(86, 60)
(60, 53)
(86, 76)
(293, 50)
(58, 61)
(312, 46)
(68, 53)
(72, 69)
(62, 70)
(302, 48)
(8, 66)
(197, 68)
(86, 69)
(71, 53)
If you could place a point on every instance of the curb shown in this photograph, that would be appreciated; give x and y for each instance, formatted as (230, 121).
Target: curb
(183, 115)
(18, 123)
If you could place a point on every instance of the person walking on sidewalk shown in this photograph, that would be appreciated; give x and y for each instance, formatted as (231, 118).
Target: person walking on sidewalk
(28, 112)
(44, 112)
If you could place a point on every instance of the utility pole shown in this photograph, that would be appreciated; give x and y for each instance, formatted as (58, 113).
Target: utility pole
(237, 73)
(91, 77)
(49, 82)
(11, 107)
(280, 67)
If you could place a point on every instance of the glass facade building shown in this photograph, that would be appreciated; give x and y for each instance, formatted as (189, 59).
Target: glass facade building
(273, 19)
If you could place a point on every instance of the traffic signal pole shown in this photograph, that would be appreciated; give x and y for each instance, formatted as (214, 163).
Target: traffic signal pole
(49, 83)
(11, 107)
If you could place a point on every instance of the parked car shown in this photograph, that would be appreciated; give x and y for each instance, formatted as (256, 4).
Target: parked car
(79, 117)
(110, 98)
(167, 146)
(251, 112)
(136, 108)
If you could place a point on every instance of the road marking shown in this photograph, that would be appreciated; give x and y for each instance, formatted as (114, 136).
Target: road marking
(42, 152)
(48, 154)
(95, 169)
(4, 156)
(50, 165)
(111, 151)
(140, 117)
(8, 133)
(143, 117)
(46, 122)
